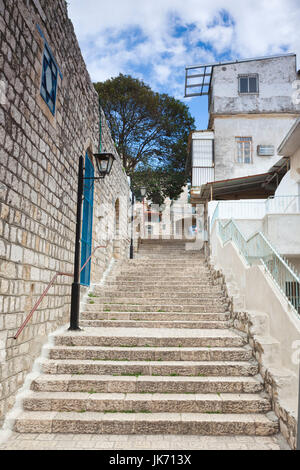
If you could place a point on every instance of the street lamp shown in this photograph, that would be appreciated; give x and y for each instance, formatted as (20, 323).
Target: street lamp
(142, 191)
(104, 163)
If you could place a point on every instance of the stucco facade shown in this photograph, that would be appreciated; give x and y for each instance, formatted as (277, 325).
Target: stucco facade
(263, 129)
(242, 121)
(275, 79)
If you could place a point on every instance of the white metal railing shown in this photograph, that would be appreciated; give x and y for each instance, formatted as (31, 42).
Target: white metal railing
(258, 249)
(283, 205)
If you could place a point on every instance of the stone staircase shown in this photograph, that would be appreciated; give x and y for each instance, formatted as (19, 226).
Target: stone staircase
(157, 355)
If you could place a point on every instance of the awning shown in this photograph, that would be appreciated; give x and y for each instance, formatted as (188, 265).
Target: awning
(247, 187)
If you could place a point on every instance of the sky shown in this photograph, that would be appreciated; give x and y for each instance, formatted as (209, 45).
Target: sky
(154, 40)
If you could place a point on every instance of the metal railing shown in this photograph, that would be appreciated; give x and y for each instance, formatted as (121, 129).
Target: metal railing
(45, 292)
(258, 249)
(283, 205)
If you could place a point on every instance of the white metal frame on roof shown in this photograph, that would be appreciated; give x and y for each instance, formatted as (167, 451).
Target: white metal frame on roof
(205, 72)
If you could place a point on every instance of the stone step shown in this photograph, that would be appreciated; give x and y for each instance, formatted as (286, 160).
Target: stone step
(132, 295)
(157, 368)
(140, 290)
(154, 324)
(152, 337)
(150, 354)
(203, 301)
(166, 248)
(142, 263)
(154, 316)
(181, 252)
(150, 402)
(168, 255)
(144, 423)
(171, 280)
(145, 384)
(177, 277)
(157, 271)
(158, 308)
(178, 250)
(170, 241)
(165, 285)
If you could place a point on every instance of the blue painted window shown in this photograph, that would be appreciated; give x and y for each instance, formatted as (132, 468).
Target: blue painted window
(49, 79)
(87, 222)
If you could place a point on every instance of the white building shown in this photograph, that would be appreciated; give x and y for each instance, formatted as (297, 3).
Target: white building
(251, 108)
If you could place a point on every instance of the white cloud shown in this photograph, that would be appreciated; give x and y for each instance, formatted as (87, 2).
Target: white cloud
(156, 39)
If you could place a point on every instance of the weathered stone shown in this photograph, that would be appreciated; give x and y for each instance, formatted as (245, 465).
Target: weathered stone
(38, 175)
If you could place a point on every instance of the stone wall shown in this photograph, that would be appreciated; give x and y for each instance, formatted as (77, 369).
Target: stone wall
(38, 181)
(264, 130)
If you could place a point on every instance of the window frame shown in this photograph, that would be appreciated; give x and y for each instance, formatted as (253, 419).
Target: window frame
(248, 75)
(54, 73)
(243, 140)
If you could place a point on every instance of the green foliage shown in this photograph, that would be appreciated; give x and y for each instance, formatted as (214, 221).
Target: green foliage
(151, 132)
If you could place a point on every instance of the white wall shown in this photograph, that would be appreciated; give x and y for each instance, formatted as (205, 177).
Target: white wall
(258, 292)
(283, 231)
(275, 87)
(288, 186)
(295, 166)
(264, 130)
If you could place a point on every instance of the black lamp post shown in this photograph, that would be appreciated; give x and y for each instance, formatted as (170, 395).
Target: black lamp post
(104, 163)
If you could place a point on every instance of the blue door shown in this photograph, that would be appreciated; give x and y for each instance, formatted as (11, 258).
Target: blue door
(87, 222)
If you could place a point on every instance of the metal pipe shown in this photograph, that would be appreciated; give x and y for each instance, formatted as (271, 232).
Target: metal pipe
(39, 301)
(100, 127)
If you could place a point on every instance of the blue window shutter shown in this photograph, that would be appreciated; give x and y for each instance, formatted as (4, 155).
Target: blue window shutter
(87, 222)
(49, 79)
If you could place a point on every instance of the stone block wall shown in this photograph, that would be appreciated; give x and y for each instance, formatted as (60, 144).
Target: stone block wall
(39, 155)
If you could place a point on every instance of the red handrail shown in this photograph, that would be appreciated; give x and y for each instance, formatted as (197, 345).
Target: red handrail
(36, 305)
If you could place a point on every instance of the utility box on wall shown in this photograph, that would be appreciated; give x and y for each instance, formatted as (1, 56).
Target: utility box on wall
(265, 150)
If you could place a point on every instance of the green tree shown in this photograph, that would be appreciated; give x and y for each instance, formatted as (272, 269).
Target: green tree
(150, 131)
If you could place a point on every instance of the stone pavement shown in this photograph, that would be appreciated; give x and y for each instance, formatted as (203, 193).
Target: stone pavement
(141, 442)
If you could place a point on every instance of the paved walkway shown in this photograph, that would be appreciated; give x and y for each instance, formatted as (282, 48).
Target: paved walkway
(138, 442)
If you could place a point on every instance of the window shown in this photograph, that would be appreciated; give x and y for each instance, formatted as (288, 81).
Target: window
(243, 149)
(49, 80)
(248, 84)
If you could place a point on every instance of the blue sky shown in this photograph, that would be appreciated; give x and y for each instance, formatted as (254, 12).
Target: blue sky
(155, 40)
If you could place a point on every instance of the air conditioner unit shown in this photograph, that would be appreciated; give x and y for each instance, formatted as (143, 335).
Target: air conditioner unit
(265, 150)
